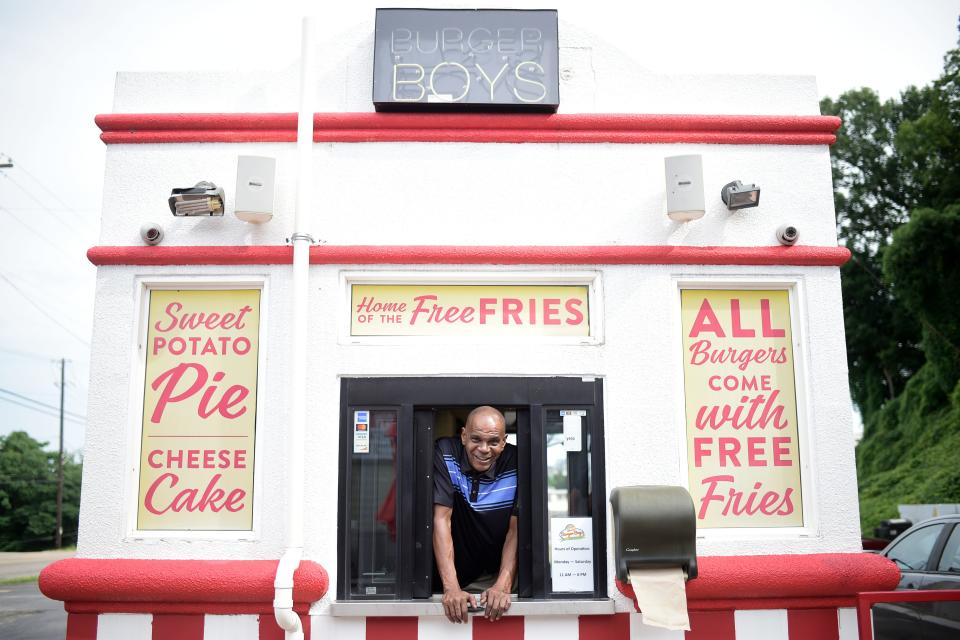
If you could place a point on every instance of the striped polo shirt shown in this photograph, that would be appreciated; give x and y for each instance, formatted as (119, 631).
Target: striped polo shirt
(482, 504)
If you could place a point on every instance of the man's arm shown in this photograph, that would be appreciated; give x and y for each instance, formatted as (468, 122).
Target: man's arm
(455, 599)
(497, 597)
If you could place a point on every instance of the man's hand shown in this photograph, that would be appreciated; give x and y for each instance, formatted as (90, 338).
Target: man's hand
(455, 603)
(496, 601)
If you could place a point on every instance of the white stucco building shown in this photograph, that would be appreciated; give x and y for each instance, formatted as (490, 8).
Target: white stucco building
(594, 297)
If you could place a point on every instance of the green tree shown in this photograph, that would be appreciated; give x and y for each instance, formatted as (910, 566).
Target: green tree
(890, 158)
(896, 167)
(28, 494)
(882, 337)
(923, 264)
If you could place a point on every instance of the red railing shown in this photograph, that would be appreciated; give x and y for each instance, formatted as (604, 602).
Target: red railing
(867, 599)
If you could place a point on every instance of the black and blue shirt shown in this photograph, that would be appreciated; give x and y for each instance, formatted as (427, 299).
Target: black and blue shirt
(482, 504)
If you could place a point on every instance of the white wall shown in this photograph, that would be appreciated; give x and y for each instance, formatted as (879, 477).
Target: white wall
(461, 193)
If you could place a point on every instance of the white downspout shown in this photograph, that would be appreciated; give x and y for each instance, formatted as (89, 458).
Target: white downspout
(288, 620)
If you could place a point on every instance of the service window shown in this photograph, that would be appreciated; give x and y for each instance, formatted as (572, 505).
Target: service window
(388, 430)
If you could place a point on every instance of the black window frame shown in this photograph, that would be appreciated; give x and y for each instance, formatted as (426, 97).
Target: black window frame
(416, 400)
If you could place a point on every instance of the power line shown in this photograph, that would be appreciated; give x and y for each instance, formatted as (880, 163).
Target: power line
(43, 206)
(47, 240)
(41, 411)
(44, 312)
(49, 191)
(27, 354)
(9, 479)
(74, 210)
(42, 404)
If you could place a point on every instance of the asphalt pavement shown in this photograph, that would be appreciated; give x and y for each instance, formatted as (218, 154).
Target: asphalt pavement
(25, 613)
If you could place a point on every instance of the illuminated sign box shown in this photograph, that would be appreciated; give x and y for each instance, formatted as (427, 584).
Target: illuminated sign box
(466, 60)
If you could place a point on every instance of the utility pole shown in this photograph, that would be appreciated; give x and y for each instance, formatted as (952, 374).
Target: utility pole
(59, 536)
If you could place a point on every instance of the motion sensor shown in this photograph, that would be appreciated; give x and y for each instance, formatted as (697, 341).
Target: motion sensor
(151, 233)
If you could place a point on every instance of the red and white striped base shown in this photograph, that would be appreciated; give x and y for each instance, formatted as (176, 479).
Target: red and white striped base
(768, 624)
(146, 626)
(786, 597)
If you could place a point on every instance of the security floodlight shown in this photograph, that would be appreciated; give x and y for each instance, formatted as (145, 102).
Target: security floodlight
(202, 199)
(737, 195)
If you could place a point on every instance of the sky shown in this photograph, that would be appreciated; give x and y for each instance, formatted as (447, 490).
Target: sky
(58, 67)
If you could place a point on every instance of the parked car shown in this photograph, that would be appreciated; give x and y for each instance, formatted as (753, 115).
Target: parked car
(928, 555)
(873, 544)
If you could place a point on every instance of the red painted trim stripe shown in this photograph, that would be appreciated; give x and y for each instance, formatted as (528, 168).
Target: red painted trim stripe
(82, 626)
(508, 628)
(823, 624)
(392, 628)
(714, 625)
(181, 627)
(611, 627)
(121, 128)
(268, 629)
(404, 255)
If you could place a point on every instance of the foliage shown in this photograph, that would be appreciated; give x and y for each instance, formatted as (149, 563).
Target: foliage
(896, 168)
(882, 337)
(28, 494)
(923, 264)
(911, 458)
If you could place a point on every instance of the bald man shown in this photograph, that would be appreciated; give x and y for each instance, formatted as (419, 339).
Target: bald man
(475, 515)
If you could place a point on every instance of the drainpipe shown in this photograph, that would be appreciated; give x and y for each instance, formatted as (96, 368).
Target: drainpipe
(286, 617)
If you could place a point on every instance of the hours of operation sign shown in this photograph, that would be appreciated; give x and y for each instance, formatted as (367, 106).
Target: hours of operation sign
(743, 447)
(199, 410)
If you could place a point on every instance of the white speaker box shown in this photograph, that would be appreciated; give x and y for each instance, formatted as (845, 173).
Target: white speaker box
(684, 187)
(256, 188)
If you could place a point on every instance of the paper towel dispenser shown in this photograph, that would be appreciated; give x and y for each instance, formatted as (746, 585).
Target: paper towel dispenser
(654, 527)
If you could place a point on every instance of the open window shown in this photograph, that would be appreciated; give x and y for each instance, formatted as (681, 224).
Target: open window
(388, 429)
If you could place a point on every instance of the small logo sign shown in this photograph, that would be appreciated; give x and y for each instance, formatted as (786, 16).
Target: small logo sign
(571, 532)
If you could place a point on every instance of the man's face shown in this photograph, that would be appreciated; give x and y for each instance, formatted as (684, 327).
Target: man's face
(483, 438)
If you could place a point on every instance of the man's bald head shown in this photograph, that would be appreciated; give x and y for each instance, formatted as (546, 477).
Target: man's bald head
(487, 411)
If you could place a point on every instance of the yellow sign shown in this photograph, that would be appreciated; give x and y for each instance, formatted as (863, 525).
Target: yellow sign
(743, 449)
(469, 310)
(199, 411)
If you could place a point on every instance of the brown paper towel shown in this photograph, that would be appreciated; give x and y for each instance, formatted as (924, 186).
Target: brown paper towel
(662, 597)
